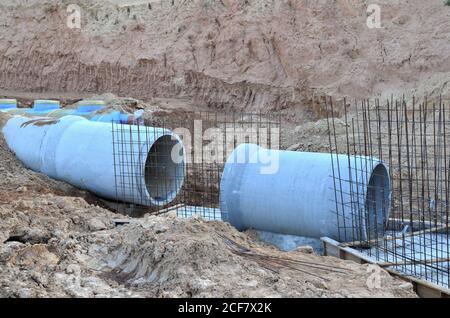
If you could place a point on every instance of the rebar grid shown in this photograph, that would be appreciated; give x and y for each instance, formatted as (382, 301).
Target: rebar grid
(208, 139)
(411, 138)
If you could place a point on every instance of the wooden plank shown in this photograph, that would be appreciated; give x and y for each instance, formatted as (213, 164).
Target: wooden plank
(392, 238)
(350, 257)
(330, 249)
(428, 261)
(344, 252)
(423, 288)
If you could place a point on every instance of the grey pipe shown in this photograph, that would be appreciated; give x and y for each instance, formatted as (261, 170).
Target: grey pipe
(293, 193)
(80, 152)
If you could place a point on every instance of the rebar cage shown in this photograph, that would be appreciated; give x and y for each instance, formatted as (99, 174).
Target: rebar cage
(189, 182)
(391, 178)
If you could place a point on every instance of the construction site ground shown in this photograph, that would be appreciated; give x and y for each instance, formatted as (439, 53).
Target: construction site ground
(58, 241)
(276, 57)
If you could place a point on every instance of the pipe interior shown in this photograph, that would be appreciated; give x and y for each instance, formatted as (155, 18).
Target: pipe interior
(164, 173)
(378, 199)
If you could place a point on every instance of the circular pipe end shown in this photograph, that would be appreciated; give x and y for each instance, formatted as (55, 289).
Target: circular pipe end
(377, 201)
(164, 172)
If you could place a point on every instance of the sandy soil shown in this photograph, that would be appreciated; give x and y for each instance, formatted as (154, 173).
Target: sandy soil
(56, 241)
(233, 54)
(274, 56)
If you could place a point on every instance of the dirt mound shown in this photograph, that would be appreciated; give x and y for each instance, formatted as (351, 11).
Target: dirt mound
(171, 257)
(175, 257)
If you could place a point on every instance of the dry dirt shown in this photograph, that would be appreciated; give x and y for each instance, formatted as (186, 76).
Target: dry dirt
(227, 54)
(273, 56)
(56, 241)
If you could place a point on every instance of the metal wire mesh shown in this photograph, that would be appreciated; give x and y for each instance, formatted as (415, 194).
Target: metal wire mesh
(208, 139)
(398, 215)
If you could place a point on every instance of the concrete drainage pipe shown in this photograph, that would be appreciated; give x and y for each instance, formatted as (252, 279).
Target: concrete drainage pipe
(293, 193)
(80, 152)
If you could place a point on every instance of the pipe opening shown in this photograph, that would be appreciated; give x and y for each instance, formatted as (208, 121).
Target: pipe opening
(164, 170)
(378, 200)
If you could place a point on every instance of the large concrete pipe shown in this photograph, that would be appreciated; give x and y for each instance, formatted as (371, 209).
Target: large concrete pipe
(80, 152)
(15, 111)
(84, 108)
(42, 107)
(8, 104)
(294, 193)
(107, 117)
(88, 109)
(89, 106)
